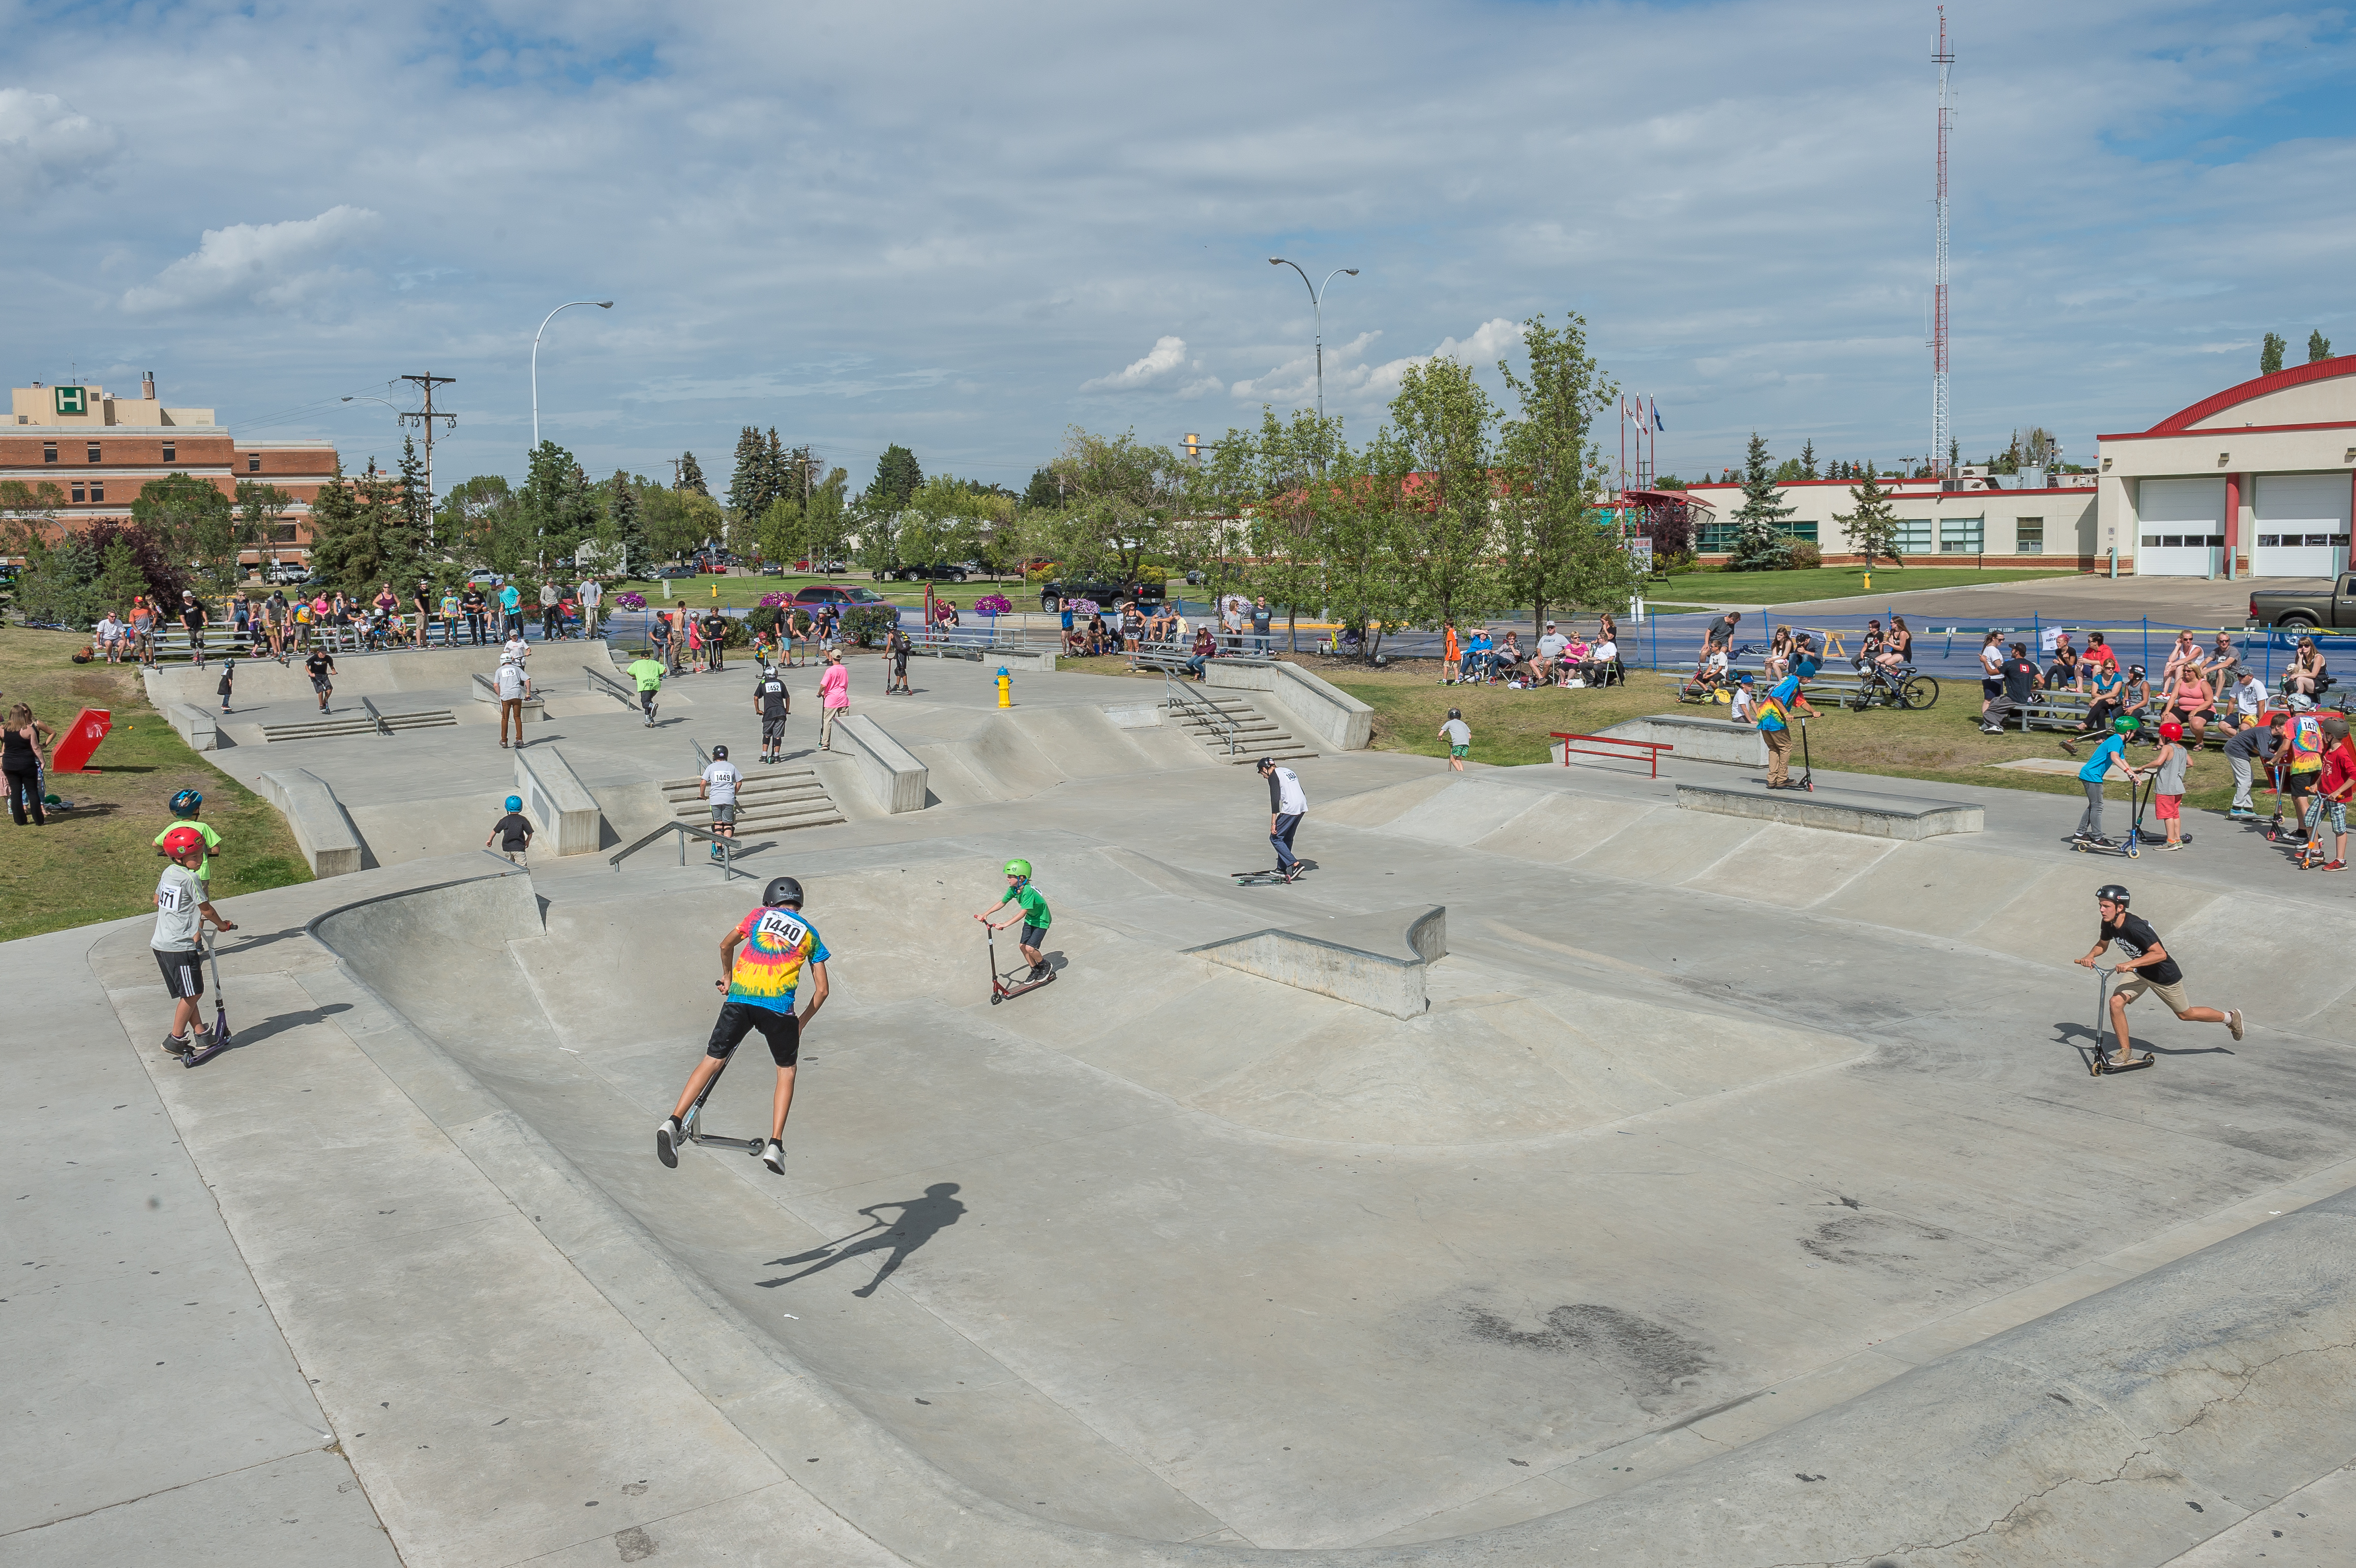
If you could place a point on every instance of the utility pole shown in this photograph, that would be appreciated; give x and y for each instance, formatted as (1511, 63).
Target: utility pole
(426, 418)
(1944, 57)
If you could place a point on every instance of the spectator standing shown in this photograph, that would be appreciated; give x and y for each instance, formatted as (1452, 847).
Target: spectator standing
(2339, 783)
(421, 603)
(142, 629)
(192, 621)
(1991, 673)
(1720, 633)
(449, 608)
(25, 745)
(1452, 652)
(715, 640)
(477, 609)
(834, 697)
(510, 609)
(593, 599)
(659, 638)
(1458, 736)
(1263, 625)
(549, 601)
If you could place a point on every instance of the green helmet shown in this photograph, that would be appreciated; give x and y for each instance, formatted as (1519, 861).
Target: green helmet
(2126, 723)
(1017, 868)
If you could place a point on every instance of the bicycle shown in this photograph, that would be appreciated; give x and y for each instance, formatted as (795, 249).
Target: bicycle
(1901, 689)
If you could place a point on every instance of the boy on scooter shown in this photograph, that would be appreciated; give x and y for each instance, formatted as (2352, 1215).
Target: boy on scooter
(1030, 908)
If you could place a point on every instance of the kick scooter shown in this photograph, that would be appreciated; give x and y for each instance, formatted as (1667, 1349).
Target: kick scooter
(690, 1127)
(1001, 986)
(2102, 1062)
(221, 1015)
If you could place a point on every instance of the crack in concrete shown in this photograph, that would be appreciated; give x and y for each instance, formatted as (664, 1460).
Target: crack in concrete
(163, 1491)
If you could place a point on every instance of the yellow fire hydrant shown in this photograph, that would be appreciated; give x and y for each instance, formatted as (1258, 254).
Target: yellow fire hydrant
(1005, 688)
(1869, 583)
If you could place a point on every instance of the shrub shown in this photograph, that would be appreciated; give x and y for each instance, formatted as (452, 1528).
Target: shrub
(993, 605)
(866, 625)
(766, 617)
(1804, 557)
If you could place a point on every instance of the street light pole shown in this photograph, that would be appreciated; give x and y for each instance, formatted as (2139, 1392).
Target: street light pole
(1317, 307)
(568, 304)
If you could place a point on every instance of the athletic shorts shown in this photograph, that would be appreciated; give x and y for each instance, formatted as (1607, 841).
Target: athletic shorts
(1033, 936)
(1991, 688)
(726, 814)
(2134, 986)
(184, 973)
(2168, 807)
(781, 1030)
(2300, 785)
(771, 730)
(318, 683)
(1460, 750)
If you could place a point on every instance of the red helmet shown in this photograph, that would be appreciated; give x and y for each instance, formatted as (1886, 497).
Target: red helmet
(2172, 731)
(180, 840)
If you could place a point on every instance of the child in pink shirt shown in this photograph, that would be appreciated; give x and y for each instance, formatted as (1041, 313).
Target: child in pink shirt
(834, 694)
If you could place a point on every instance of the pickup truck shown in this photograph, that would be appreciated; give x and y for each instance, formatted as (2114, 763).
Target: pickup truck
(2328, 604)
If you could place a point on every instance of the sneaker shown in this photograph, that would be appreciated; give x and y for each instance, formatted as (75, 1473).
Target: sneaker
(2172, 844)
(2234, 1022)
(774, 1157)
(177, 1045)
(1038, 971)
(667, 1142)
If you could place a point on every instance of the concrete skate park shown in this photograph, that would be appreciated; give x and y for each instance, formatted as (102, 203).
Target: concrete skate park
(1577, 1166)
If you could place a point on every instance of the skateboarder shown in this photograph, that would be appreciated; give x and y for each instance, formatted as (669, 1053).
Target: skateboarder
(1288, 803)
(2146, 967)
(182, 911)
(1030, 909)
(758, 987)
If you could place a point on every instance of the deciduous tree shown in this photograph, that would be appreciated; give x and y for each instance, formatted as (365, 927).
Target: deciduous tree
(1555, 551)
(2318, 346)
(2270, 354)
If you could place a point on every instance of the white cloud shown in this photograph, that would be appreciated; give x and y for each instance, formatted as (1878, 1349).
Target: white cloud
(274, 264)
(1295, 379)
(1168, 358)
(43, 139)
(1487, 345)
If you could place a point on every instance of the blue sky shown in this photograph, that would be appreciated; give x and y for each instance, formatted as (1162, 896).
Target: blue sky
(965, 229)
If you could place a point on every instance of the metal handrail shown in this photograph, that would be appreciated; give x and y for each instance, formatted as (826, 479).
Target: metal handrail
(727, 849)
(381, 727)
(612, 687)
(1178, 699)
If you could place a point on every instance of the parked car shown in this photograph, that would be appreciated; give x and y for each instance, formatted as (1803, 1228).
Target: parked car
(661, 573)
(2331, 604)
(1106, 595)
(774, 568)
(483, 579)
(285, 574)
(937, 572)
(837, 594)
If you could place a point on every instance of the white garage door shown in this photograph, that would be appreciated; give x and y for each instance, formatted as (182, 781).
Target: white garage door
(2182, 527)
(2301, 525)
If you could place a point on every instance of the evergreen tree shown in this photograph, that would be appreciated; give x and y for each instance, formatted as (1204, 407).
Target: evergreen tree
(2270, 354)
(1872, 527)
(622, 525)
(896, 478)
(1759, 542)
(690, 473)
(2317, 347)
(557, 511)
(1808, 459)
(1042, 494)
(416, 498)
(750, 490)
(358, 537)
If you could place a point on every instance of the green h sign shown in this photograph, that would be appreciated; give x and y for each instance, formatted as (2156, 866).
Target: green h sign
(72, 401)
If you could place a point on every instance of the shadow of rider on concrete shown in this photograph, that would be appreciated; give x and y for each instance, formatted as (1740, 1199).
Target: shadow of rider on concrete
(921, 1219)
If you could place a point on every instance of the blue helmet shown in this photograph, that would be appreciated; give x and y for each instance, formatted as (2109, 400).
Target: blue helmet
(186, 801)
(515, 802)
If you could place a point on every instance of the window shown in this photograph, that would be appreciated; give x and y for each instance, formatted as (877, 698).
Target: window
(1913, 535)
(170, 451)
(1717, 539)
(97, 491)
(93, 452)
(2028, 535)
(49, 452)
(78, 494)
(1959, 535)
(254, 462)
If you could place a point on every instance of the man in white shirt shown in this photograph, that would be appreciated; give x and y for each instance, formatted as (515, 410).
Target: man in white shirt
(721, 778)
(2245, 699)
(110, 637)
(1550, 648)
(513, 685)
(1288, 803)
(1600, 658)
(593, 594)
(515, 650)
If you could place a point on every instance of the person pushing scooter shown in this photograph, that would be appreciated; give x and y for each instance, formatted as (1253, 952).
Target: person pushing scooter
(1030, 909)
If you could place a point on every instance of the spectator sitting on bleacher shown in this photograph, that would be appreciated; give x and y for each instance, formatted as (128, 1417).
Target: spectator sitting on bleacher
(1206, 644)
(2129, 696)
(2020, 685)
(2182, 651)
(1805, 660)
(2104, 686)
(2305, 676)
(2064, 670)
(2098, 652)
(2244, 700)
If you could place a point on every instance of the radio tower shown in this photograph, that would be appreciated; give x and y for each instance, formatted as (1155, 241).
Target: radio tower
(1940, 438)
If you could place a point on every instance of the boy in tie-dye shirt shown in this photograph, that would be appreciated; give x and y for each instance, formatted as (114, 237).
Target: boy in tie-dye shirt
(762, 960)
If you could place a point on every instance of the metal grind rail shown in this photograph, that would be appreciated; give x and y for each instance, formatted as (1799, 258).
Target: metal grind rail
(729, 848)
(1646, 752)
(1181, 698)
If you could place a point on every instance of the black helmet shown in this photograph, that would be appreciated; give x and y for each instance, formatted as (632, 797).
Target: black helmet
(1455, 713)
(719, 754)
(782, 890)
(2111, 892)
(1265, 764)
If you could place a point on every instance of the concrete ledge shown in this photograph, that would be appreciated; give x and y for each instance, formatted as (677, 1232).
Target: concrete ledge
(1312, 709)
(326, 836)
(1697, 739)
(1874, 816)
(556, 801)
(890, 771)
(1374, 960)
(196, 725)
(1019, 664)
(485, 691)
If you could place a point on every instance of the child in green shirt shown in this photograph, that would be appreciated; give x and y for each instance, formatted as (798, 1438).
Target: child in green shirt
(1030, 908)
(649, 674)
(186, 803)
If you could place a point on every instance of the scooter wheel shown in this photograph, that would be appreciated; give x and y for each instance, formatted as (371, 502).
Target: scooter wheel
(2133, 853)
(995, 998)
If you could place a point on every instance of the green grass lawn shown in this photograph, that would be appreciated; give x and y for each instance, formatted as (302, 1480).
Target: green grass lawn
(743, 592)
(1831, 583)
(1943, 744)
(98, 861)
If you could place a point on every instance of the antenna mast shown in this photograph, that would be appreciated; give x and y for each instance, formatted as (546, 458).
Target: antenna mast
(1939, 436)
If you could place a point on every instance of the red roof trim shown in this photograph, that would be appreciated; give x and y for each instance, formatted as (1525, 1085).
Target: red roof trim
(2234, 428)
(2297, 375)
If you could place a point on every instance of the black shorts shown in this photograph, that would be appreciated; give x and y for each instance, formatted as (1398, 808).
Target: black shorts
(318, 683)
(184, 973)
(1033, 936)
(773, 730)
(1991, 688)
(2302, 784)
(782, 1030)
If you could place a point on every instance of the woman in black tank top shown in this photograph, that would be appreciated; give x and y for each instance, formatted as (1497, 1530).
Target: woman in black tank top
(22, 741)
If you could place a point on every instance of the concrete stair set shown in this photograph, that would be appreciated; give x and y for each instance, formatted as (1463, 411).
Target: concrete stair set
(1257, 736)
(770, 801)
(355, 724)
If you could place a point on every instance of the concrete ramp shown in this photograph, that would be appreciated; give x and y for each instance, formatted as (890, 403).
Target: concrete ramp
(1376, 961)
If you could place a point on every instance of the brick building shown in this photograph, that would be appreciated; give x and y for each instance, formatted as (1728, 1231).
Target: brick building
(102, 450)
